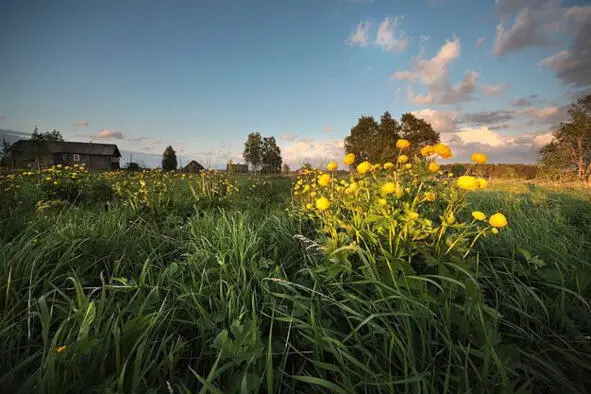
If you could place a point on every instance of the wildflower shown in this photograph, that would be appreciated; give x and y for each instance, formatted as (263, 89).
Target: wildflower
(364, 167)
(450, 219)
(430, 196)
(313, 194)
(482, 183)
(467, 182)
(495, 230)
(353, 186)
(388, 188)
(382, 201)
(402, 144)
(442, 150)
(332, 166)
(402, 159)
(433, 167)
(408, 166)
(427, 150)
(349, 159)
(60, 349)
(497, 220)
(478, 158)
(309, 206)
(478, 215)
(413, 215)
(322, 204)
(388, 165)
(324, 180)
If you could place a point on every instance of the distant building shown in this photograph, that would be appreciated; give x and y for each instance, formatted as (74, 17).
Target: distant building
(29, 154)
(235, 168)
(193, 166)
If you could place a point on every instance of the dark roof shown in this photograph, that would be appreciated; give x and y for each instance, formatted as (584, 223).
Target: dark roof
(84, 148)
(194, 166)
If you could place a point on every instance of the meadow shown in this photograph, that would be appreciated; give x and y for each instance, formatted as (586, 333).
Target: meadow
(382, 278)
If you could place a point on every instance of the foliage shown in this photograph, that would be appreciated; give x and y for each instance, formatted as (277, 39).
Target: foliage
(496, 171)
(571, 146)
(253, 151)
(362, 139)
(169, 162)
(271, 156)
(418, 131)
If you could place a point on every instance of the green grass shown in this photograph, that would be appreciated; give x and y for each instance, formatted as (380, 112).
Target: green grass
(237, 297)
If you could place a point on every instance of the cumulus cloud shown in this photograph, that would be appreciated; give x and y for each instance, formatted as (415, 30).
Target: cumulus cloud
(287, 137)
(479, 42)
(488, 117)
(137, 140)
(572, 65)
(360, 36)
(82, 123)
(316, 152)
(441, 121)
(500, 126)
(390, 37)
(535, 23)
(433, 73)
(493, 90)
(106, 134)
(521, 102)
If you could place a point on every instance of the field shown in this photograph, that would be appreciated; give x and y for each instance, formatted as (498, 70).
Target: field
(179, 283)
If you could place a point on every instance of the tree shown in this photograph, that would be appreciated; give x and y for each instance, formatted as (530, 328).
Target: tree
(362, 139)
(271, 156)
(169, 162)
(48, 136)
(571, 147)
(418, 131)
(253, 151)
(387, 135)
(4, 150)
(286, 169)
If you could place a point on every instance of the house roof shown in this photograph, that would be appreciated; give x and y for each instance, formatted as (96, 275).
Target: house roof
(85, 148)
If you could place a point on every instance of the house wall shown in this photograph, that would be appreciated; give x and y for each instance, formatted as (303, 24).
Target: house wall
(97, 162)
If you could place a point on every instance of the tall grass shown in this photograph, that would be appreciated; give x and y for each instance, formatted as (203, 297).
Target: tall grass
(240, 299)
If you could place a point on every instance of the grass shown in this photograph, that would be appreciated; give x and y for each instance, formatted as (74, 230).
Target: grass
(239, 297)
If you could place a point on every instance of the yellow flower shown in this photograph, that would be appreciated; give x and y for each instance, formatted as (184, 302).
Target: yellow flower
(60, 349)
(408, 166)
(478, 215)
(299, 182)
(495, 230)
(430, 196)
(353, 186)
(313, 194)
(388, 165)
(497, 220)
(402, 158)
(309, 206)
(433, 167)
(349, 159)
(324, 180)
(427, 150)
(364, 167)
(388, 188)
(382, 201)
(479, 158)
(402, 144)
(413, 215)
(322, 204)
(467, 182)
(450, 219)
(482, 183)
(442, 150)
(332, 166)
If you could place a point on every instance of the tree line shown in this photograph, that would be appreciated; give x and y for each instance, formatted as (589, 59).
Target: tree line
(262, 154)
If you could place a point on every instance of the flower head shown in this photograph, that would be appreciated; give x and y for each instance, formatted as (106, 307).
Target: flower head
(413, 215)
(430, 196)
(497, 220)
(433, 167)
(388, 188)
(322, 204)
(388, 165)
(467, 183)
(349, 159)
(60, 349)
(324, 180)
(332, 166)
(427, 150)
(442, 150)
(482, 183)
(479, 158)
(402, 159)
(364, 167)
(478, 215)
(402, 144)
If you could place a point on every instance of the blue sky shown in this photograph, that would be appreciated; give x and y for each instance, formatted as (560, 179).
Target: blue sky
(201, 75)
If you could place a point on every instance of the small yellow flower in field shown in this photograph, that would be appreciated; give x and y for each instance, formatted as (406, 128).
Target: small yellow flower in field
(59, 166)
(299, 182)
(482, 183)
(402, 159)
(495, 230)
(353, 186)
(497, 220)
(478, 215)
(450, 175)
(364, 167)
(376, 167)
(402, 144)
(313, 194)
(60, 349)
(296, 193)
(479, 158)
(349, 159)
(427, 150)
(324, 180)
(388, 165)
(332, 166)
(306, 188)
(408, 166)
(382, 201)
(442, 150)
(433, 167)
(388, 188)
(309, 206)
(467, 183)
(55, 182)
(343, 182)
(430, 196)
(322, 204)
(450, 219)
(413, 215)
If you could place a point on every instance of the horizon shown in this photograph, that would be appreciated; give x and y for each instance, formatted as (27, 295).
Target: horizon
(201, 77)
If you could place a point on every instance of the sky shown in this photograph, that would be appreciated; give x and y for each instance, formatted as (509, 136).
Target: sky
(200, 75)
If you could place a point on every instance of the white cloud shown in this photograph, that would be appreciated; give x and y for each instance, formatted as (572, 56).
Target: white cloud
(540, 113)
(479, 42)
(390, 37)
(493, 90)
(442, 121)
(360, 36)
(543, 139)
(316, 152)
(287, 137)
(106, 134)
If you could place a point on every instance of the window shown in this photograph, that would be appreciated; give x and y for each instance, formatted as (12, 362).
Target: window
(76, 157)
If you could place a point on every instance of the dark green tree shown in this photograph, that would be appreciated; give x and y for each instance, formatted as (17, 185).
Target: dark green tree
(253, 151)
(418, 131)
(571, 147)
(388, 134)
(169, 162)
(362, 139)
(271, 156)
